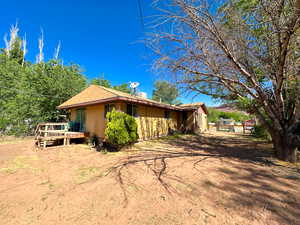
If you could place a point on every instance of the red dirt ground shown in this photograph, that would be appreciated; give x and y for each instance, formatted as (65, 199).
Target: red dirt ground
(209, 179)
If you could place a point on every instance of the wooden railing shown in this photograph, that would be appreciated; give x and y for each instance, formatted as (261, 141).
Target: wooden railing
(46, 133)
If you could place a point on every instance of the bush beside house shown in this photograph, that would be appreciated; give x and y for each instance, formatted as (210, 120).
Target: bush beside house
(121, 129)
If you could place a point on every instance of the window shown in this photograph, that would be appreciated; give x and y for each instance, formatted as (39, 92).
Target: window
(167, 114)
(108, 108)
(184, 116)
(132, 110)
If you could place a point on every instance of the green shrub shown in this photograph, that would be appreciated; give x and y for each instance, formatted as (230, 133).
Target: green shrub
(131, 127)
(215, 115)
(260, 132)
(121, 129)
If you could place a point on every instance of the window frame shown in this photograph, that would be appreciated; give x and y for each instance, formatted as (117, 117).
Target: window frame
(134, 109)
(108, 108)
(167, 114)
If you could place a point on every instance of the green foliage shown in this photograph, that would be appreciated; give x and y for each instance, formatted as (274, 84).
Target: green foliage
(16, 53)
(245, 104)
(131, 127)
(106, 83)
(30, 93)
(215, 115)
(260, 132)
(165, 92)
(101, 82)
(121, 129)
(123, 88)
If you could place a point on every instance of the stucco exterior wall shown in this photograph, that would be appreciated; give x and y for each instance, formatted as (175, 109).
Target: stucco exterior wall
(189, 122)
(94, 119)
(196, 121)
(202, 120)
(150, 120)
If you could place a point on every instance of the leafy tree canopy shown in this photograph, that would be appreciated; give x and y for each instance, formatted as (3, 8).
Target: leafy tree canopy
(102, 82)
(165, 92)
(106, 83)
(244, 51)
(31, 92)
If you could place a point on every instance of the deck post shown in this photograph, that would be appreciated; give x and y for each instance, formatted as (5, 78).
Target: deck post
(46, 134)
(49, 134)
(46, 129)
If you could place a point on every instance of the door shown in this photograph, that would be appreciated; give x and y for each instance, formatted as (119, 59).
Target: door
(80, 120)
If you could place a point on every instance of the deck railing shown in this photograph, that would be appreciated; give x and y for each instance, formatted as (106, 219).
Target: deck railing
(47, 133)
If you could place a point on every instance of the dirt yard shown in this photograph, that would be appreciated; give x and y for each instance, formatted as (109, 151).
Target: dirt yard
(210, 179)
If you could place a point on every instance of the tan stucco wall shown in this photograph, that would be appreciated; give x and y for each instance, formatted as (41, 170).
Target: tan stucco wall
(151, 121)
(196, 121)
(94, 119)
(189, 124)
(203, 122)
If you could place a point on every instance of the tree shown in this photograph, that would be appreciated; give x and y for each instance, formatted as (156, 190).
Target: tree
(16, 51)
(102, 82)
(30, 92)
(122, 87)
(242, 51)
(33, 92)
(13, 45)
(106, 83)
(165, 92)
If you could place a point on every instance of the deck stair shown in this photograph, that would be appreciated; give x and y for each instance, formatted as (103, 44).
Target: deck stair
(51, 133)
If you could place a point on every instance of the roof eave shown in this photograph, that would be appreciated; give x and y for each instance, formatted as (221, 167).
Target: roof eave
(87, 103)
(145, 102)
(120, 98)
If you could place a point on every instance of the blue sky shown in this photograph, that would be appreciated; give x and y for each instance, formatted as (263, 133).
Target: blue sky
(101, 36)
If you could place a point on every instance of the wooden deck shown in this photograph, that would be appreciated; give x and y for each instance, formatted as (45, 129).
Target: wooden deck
(49, 133)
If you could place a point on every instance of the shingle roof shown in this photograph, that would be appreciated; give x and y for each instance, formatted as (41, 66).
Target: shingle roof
(95, 94)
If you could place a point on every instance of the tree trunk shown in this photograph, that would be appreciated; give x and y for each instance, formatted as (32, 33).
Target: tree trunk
(284, 149)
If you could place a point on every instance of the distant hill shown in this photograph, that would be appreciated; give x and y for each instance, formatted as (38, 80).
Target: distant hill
(227, 108)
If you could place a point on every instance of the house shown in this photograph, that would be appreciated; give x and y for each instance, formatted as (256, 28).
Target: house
(154, 119)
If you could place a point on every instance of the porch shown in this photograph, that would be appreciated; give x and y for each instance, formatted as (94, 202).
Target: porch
(51, 133)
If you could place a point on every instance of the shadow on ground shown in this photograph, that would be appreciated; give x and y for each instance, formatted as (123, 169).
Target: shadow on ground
(248, 177)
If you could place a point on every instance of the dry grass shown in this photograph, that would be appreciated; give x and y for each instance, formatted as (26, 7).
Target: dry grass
(212, 179)
(86, 174)
(20, 162)
(12, 139)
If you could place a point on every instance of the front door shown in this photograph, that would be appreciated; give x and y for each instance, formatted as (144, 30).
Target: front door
(80, 119)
